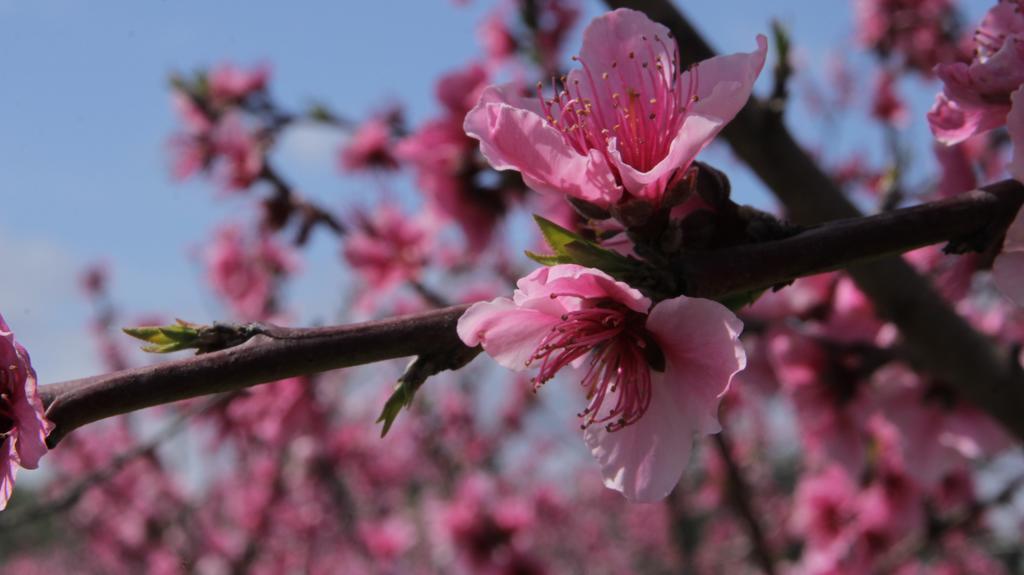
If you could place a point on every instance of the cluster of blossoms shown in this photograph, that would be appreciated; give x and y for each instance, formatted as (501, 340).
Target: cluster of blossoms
(918, 34)
(216, 136)
(838, 456)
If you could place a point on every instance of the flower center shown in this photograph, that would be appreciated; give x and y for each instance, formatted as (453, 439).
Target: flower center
(641, 104)
(618, 376)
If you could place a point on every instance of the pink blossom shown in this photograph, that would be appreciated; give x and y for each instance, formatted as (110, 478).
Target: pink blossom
(230, 84)
(630, 121)
(439, 152)
(495, 37)
(934, 433)
(887, 106)
(387, 247)
(244, 271)
(369, 147)
(825, 386)
(555, 19)
(918, 32)
(824, 506)
(957, 172)
(241, 153)
(191, 151)
(651, 384)
(1008, 267)
(23, 423)
(389, 538)
(1015, 125)
(459, 90)
(976, 97)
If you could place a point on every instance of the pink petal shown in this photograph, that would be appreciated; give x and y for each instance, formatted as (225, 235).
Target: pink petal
(700, 340)
(1015, 125)
(953, 122)
(513, 138)
(611, 37)
(1008, 267)
(724, 84)
(8, 471)
(508, 333)
(33, 427)
(644, 460)
(538, 287)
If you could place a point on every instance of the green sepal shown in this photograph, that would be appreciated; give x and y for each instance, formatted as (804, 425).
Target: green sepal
(572, 248)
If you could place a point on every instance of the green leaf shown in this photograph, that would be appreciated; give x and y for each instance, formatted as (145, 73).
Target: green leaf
(590, 255)
(572, 248)
(556, 236)
(547, 260)
(400, 398)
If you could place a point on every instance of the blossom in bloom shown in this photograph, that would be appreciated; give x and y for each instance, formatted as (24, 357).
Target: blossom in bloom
(23, 424)
(1008, 267)
(887, 106)
(654, 377)
(497, 40)
(387, 248)
(981, 96)
(920, 33)
(230, 84)
(369, 147)
(244, 272)
(241, 153)
(629, 121)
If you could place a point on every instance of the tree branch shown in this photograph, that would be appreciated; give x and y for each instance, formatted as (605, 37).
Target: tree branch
(280, 352)
(941, 341)
(277, 354)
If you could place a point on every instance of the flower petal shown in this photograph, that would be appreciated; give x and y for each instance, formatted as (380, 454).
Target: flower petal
(645, 459)
(724, 84)
(1015, 125)
(514, 138)
(508, 333)
(953, 122)
(1008, 267)
(700, 341)
(8, 471)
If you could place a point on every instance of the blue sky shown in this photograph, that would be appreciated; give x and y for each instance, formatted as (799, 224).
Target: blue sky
(84, 117)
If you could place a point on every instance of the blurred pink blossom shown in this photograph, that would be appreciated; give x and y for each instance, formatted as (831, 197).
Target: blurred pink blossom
(230, 84)
(387, 247)
(241, 153)
(244, 271)
(369, 147)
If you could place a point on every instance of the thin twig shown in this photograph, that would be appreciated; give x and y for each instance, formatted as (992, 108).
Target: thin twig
(741, 497)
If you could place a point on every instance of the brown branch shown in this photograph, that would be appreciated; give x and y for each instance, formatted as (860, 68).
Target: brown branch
(280, 352)
(942, 342)
(977, 215)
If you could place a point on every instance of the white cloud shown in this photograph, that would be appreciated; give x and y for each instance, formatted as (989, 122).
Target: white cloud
(39, 297)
